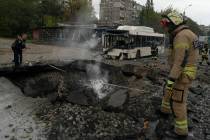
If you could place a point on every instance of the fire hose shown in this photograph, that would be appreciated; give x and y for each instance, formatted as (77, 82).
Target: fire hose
(119, 86)
(54, 67)
(114, 85)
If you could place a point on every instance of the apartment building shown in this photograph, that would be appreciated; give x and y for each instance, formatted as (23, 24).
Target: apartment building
(119, 12)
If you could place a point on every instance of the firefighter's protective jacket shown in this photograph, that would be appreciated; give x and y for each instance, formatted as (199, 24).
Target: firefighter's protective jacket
(183, 54)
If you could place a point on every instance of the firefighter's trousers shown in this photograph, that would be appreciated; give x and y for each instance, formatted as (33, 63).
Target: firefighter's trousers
(174, 101)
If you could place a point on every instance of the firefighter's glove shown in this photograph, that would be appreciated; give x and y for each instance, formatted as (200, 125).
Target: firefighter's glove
(170, 84)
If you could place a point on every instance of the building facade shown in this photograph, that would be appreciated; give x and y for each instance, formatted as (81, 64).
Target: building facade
(119, 12)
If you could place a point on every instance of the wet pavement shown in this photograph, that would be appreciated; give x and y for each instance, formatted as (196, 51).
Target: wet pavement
(17, 114)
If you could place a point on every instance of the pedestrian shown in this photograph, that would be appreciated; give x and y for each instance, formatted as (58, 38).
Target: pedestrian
(183, 66)
(18, 47)
(13, 47)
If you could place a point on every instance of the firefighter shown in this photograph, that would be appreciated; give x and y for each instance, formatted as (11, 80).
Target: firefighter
(154, 51)
(204, 54)
(18, 47)
(182, 61)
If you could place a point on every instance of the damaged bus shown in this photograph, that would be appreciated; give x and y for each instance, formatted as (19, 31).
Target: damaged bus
(131, 42)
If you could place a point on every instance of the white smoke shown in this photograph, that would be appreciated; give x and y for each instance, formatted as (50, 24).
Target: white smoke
(97, 79)
(96, 6)
(87, 42)
(98, 85)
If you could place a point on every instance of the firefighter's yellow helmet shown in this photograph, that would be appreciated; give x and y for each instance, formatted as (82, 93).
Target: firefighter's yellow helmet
(175, 18)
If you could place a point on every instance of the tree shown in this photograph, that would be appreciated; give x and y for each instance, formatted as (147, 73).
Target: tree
(17, 16)
(151, 18)
(51, 12)
(194, 26)
(79, 11)
(148, 17)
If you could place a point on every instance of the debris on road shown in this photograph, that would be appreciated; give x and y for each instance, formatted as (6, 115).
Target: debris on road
(94, 100)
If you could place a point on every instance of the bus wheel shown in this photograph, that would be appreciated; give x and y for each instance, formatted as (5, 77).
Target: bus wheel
(138, 54)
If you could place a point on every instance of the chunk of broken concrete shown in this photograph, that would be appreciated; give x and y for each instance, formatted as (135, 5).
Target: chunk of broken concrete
(83, 97)
(128, 70)
(131, 70)
(116, 101)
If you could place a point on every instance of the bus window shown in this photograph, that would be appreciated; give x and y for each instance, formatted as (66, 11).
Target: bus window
(141, 41)
(144, 40)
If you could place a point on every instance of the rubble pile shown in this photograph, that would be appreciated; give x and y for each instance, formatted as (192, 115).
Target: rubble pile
(199, 110)
(81, 122)
(101, 101)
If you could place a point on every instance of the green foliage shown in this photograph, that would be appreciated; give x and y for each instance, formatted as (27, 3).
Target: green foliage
(194, 26)
(148, 17)
(49, 21)
(51, 7)
(17, 16)
(151, 18)
(51, 12)
(79, 11)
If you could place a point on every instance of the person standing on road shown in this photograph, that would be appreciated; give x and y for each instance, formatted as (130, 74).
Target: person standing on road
(18, 47)
(13, 47)
(183, 66)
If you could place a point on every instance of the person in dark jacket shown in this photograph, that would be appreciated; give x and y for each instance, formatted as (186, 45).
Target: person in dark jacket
(18, 47)
(13, 47)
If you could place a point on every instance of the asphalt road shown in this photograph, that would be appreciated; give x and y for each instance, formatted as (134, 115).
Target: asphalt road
(46, 53)
(17, 119)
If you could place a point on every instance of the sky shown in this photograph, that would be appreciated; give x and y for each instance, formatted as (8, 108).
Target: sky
(198, 11)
